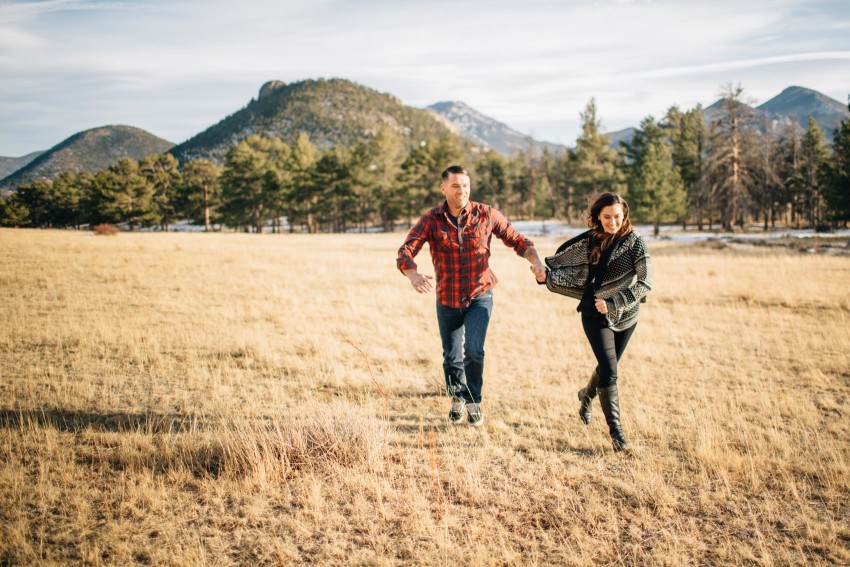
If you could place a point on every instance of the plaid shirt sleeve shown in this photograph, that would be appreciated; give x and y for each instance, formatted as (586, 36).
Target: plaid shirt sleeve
(416, 238)
(510, 235)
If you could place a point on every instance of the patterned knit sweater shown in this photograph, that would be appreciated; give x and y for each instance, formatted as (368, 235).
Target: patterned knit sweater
(623, 281)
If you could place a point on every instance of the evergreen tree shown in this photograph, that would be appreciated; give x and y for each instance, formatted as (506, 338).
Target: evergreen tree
(837, 176)
(162, 174)
(13, 212)
(767, 187)
(359, 160)
(421, 171)
(491, 179)
(595, 166)
(299, 187)
(815, 154)
(37, 199)
(69, 189)
(250, 182)
(793, 187)
(561, 179)
(200, 191)
(386, 152)
(120, 194)
(656, 190)
(333, 185)
(687, 136)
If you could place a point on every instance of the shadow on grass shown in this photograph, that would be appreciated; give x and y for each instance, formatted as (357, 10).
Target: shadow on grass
(74, 421)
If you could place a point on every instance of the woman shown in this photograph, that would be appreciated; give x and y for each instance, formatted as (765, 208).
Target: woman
(607, 268)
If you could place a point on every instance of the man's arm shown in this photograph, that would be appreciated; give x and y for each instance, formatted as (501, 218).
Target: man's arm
(537, 267)
(416, 238)
(516, 240)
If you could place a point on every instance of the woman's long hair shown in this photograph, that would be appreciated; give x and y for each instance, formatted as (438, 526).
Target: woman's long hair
(603, 240)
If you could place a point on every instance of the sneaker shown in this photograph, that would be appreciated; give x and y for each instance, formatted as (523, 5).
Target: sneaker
(456, 413)
(476, 417)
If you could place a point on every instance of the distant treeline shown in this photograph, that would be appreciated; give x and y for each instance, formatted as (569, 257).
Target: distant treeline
(731, 172)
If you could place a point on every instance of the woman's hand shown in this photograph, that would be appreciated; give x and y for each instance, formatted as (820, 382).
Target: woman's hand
(539, 271)
(601, 306)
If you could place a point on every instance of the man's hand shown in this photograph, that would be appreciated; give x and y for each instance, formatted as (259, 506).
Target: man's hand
(420, 282)
(537, 267)
(539, 271)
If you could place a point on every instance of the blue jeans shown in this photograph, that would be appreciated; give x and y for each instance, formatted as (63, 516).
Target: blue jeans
(465, 329)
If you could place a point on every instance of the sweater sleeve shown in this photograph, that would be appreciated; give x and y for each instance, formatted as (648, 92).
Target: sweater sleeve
(638, 291)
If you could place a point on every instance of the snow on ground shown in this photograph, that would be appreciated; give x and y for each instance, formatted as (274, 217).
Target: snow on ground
(558, 228)
(675, 233)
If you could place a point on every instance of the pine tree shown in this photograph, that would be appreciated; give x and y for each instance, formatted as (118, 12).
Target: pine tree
(815, 154)
(332, 180)
(790, 177)
(687, 136)
(837, 176)
(13, 212)
(595, 166)
(767, 188)
(69, 189)
(162, 174)
(656, 190)
(250, 183)
(200, 191)
(299, 188)
(491, 179)
(36, 198)
(120, 194)
(386, 152)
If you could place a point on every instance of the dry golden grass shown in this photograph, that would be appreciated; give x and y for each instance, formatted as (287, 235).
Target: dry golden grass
(208, 399)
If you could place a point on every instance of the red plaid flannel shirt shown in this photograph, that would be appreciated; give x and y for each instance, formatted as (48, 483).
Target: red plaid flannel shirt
(460, 256)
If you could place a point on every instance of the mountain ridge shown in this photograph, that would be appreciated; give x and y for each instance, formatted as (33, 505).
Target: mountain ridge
(331, 111)
(9, 165)
(339, 111)
(91, 150)
(486, 131)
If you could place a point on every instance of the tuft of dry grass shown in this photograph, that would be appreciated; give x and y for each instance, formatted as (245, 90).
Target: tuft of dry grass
(210, 399)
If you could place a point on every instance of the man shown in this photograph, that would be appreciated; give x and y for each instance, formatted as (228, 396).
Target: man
(458, 233)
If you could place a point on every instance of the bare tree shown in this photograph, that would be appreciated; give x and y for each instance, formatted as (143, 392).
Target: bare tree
(729, 159)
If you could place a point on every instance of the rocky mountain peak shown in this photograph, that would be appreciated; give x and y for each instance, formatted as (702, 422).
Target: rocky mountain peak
(270, 87)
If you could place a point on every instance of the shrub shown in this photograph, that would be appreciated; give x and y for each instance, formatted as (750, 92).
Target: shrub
(106, 229)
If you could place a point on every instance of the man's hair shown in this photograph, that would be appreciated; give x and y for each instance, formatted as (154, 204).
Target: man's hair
(456, 169)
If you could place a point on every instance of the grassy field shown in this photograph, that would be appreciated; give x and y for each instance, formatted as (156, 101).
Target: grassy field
(209, 399)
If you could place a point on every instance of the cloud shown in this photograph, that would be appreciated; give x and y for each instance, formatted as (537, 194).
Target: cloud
(156, 64)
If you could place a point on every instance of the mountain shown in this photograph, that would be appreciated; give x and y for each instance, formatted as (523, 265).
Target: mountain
(331, 111)
(794, 105)
(797, 104)
(485, 131)
(624, 135)
(9, 165)
(90, 150)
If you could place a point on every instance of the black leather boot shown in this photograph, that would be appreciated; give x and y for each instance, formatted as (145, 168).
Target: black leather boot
(610, 401)
(585, 396)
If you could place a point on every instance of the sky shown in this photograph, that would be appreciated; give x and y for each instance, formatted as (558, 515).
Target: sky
(176, 67)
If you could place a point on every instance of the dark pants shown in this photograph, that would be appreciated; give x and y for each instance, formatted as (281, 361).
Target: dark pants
(608, 347)
(462, 331)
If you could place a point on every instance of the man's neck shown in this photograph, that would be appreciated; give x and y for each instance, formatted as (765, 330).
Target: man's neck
(453, 211)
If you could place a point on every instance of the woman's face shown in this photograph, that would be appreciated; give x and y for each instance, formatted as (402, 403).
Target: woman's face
(612, 218)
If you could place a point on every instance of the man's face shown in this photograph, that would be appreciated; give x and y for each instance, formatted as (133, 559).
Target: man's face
(456, 190)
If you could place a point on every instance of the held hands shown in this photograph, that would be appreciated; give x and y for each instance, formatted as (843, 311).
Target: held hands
(539, 271)
(420, 282)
